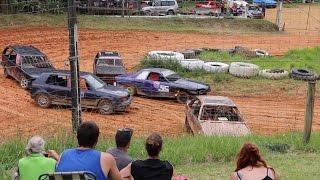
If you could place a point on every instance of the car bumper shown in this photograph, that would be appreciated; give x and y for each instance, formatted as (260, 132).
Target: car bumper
(122, 106)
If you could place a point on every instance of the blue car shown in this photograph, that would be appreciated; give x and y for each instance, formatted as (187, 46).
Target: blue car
(267, 3)
(159, 82)
(55, 88)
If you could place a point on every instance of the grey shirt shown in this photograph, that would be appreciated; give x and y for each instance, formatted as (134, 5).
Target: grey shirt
(122, 158)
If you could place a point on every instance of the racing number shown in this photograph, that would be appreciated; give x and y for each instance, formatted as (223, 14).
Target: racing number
(163, 88)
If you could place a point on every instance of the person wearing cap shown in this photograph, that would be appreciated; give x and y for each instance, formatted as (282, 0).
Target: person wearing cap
(120, 153)
(152, 168)
(35, 163)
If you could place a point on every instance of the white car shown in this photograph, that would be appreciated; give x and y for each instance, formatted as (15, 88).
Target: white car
(167, 7)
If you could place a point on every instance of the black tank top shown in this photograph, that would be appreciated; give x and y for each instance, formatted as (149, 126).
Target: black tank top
(265, 178)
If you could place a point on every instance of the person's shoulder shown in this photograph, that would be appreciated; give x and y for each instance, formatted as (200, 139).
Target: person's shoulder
(137, 163)
(167, 164)
(107, 157)
(110, 150)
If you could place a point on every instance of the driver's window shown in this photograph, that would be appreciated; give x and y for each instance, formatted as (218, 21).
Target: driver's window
(143, 75)
(153, 76)
(83, 84)
(164, 3)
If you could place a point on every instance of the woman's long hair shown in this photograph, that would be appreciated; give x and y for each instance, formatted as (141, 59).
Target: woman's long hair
(249, 155)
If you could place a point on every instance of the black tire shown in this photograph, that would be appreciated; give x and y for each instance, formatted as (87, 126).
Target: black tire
(303, 74)
(147, 13)
(188, 54)
(183, 97)
(170, 12)
(43, 100)
(5, 72)
(105, 107)
(24, 82)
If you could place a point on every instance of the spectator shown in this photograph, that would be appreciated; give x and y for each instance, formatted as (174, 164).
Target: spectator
(120, 153)
(35, 163)
(251, 165)
(86, 158)
(151, 168)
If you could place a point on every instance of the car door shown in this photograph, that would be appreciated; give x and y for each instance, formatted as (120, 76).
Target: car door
(139, 82)
(12, 67)
(59, 89)
(89, 97)
(193, 115)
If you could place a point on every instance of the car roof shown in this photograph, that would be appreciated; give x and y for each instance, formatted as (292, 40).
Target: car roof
(67, 72)
(158, 70)
(26, 50)
(216, 100)
(110, 57)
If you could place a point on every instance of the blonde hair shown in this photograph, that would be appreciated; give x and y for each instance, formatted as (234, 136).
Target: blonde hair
(35, 145)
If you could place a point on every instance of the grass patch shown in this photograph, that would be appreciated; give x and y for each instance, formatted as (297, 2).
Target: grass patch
(174, 24)
(181, 151)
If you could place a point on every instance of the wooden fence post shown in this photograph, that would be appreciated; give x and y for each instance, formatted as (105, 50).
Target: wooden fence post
(309, 111)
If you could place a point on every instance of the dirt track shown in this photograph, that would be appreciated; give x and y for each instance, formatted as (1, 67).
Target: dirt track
(19, 114)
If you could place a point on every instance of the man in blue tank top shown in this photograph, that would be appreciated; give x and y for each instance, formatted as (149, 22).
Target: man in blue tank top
(86, 158)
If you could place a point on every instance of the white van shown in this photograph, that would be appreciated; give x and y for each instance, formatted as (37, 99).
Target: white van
(167, 7)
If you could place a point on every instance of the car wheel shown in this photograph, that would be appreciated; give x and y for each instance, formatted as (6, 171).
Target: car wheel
(170, 12)
(132, 90)
(24, 82)
(43, 100)
(5, 73)
(182, 97)
(105, 107)
(147, 13)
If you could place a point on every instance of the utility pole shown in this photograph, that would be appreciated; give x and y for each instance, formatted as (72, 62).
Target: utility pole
(279, 13)
(309, 111)
(74, 65)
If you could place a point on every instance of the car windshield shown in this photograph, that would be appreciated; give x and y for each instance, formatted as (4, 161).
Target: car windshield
(35, 62)
(171, 75)
(220, 113)
(94, 82)
(109, 62)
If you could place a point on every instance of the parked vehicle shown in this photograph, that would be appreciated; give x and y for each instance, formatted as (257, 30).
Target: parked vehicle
(107, 65)
(55, 88)
(158, 82)
(255, 12)
(208, 5)
(167, 7)
(24, 63)
(214, 115)
(267, 3)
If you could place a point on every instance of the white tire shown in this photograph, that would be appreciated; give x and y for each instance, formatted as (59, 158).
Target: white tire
(165, 55)
(260, 52)
(192, 64)
(274, 73)
(245, 70)
(216, 67)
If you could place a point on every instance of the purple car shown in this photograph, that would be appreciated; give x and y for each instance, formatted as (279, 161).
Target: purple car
(158, 82)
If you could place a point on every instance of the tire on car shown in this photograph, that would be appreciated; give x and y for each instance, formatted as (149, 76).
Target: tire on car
(244, 70)
(192, 64)
(183, 97)
(188, 54)
(165, 55)
(274, 73)
(24, 82)
(303, 74)
(132, 90)
(216, 67)
(43, 100)
(105, 107)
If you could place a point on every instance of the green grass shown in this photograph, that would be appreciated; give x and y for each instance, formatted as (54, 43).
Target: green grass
(187, 152)
(174, 24)
(224, 83)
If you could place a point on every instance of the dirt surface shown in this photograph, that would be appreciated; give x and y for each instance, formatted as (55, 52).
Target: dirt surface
(266, 115)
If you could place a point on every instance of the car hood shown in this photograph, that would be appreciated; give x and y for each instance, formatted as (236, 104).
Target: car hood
(35, 72)
(113, 90)
(110, 70)
(191, 84)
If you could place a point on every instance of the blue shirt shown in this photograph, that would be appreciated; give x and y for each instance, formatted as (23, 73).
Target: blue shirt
(81, 160)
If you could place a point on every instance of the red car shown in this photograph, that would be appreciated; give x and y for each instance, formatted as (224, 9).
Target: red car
(208, 5)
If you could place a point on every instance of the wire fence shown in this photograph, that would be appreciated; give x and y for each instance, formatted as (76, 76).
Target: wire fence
(268, 106)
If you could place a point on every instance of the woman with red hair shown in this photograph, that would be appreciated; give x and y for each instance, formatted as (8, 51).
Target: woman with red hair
(252, 166)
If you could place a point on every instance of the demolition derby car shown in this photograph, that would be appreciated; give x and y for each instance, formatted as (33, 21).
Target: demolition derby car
(107, 65)
(214, 115)
(24, 63)
(159, 82)
(55, 88)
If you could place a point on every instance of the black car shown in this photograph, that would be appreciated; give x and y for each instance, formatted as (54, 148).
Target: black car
(107, 65)
(55, 88)
(24, 63)
(159, 82)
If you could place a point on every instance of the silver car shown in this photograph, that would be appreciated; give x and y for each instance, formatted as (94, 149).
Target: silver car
(167, 7)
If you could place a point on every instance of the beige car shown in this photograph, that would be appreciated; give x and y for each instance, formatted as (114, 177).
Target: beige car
(214, 115)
